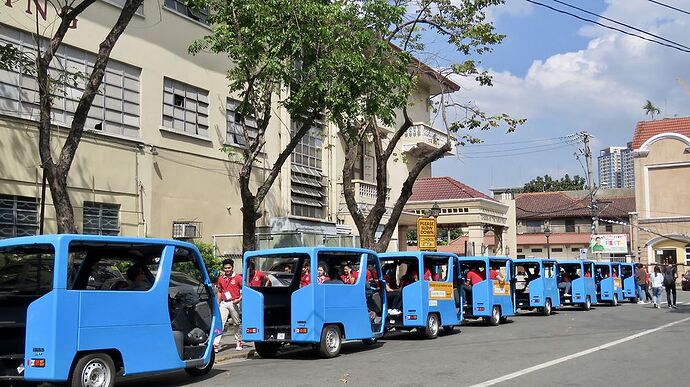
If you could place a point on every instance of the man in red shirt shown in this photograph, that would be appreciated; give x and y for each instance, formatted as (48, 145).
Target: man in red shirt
(256, 277)
(229, 295)
(472, 278)
(349, 276)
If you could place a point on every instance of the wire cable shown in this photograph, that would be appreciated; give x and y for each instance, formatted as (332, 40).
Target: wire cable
(669, 6)
(620, 23)
(534, 147)
(570, 136)
(607, 26)
(515, 154)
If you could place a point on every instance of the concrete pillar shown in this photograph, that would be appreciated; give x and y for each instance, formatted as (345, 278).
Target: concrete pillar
(402, 237)
(475, 233)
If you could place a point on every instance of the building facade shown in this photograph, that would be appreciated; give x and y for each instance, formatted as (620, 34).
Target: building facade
(151, 161)
(661, 150)
(611, 167)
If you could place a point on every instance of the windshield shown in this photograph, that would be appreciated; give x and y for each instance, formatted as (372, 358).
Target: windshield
(26, 270)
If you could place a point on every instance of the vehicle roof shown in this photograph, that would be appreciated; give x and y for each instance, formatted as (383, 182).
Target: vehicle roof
(396, 254)
(306, 250)
(532, 260)
(574, 261)
(60, 238)
(483, 258)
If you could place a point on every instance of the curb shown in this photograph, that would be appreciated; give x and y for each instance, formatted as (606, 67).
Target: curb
(231, 354)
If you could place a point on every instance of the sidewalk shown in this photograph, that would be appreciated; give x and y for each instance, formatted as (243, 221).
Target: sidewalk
(227, 352)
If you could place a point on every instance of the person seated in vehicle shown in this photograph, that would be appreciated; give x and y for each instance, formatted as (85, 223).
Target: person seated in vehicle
(136, 276)
(521, 279)
(257, 277)
(409, 277)
(305, 279)
(564, 282)
(495, 274)
(321, 276)
(349, 276)
(588, 273)
(472, 277)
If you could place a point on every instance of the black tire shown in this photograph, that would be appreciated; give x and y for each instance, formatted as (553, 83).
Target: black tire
(495, 318)
(588, 304)
(266, 350)
(448, 330)
(547, 309)
(202, 370)
(98, 368)
(370, 341)
(433, 325)
(614, 302)
(331, 341)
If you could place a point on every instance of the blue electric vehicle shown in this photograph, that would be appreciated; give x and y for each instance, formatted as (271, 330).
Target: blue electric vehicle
(582, 290)
(628, 271)
(609, 283)
(307, 300)
(80, 309)
(536, 286)
(488, 287)
(426, 301)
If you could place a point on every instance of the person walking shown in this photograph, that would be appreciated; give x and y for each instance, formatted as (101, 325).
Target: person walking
(229, 295)
(670, 277)
(640, 281)
(657, 282)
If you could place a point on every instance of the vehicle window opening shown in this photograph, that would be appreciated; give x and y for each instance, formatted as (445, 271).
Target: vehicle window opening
(190, 305)
(524, 274)
(276, 277)
(627, 271)
(472, 273)
(26, 274)
(398, 273)
(435, 268)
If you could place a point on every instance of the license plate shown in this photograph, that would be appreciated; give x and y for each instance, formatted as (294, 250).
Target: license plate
(281, 336)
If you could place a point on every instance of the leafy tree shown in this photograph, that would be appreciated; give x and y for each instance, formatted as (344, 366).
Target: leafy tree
(404, 27)
(38, 65)
(650, 109)
(548, 184)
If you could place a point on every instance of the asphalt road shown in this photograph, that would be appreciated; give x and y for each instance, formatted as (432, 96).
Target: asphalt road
(626, 345)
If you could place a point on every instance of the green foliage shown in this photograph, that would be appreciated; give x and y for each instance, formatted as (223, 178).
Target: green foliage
(650, 109)
(548, 184)
(212, 262)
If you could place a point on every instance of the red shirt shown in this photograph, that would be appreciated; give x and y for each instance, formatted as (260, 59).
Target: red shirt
(322, 279)
(473, 278)
(305, 280)
(353, 277)
(427, 274)
(231, 286)
(588, 275)
(258, 279)
(493, 274)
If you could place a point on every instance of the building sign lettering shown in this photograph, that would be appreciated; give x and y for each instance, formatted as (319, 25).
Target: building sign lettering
(40, 7)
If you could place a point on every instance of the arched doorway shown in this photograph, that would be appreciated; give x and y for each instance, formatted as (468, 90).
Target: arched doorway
(669, 249)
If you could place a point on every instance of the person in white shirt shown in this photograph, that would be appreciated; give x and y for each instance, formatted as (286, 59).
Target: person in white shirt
(657, 282)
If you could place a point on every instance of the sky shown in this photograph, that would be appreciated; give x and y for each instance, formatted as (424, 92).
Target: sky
(565, 76)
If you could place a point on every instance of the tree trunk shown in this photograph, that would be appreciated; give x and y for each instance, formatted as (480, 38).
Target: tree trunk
(64, 212)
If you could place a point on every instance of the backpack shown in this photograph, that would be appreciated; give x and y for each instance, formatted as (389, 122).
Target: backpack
(668, 279)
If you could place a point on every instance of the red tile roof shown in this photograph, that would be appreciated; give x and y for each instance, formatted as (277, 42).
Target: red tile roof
(648, 129)
(443, 188)
(552, 205)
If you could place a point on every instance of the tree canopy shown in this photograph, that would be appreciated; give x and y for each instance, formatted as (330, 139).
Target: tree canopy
(549, 184)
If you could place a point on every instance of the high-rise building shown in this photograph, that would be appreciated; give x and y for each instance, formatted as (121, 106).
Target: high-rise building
(628, 168)
(616, 168)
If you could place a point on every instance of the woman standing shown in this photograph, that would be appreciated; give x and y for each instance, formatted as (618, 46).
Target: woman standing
(657, 282)
(670, 277)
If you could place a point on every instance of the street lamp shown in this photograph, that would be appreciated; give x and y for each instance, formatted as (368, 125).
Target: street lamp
(435, 210)
(547, 234)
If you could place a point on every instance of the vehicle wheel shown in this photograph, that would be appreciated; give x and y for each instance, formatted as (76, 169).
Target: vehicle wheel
(448, 330)
(266, 350)
(202, 370)
(546, 310)
(93, 370)
(331, 341)
(614, 302)
(495, 318)
(370, 341)
(432, 327)
(588, 304)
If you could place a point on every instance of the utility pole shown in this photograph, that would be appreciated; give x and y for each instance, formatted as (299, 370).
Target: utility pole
(590, 180)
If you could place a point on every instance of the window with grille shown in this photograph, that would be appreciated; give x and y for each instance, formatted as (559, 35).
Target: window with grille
(235, 131)
(307, 191)
(101, 218)
(570, 225)
(185, 108)
(181, 7)
(115, 108)
(365, 163)
(18, 216)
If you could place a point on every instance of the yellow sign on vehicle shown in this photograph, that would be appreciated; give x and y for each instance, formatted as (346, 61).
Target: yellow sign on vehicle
(617, 283)
(501, 288)
(440, 291)
(426, 233)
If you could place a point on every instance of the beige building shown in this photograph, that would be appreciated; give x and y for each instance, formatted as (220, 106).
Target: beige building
(150, 162)
(661, 150)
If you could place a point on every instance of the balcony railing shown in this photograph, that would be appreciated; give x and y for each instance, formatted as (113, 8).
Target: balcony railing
(365, 192)
(576, 229)
(422, 138)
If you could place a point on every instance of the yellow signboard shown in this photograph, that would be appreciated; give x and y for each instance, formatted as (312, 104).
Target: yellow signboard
(617, 283)
(426, 233)
(501, 288)
(440, 291)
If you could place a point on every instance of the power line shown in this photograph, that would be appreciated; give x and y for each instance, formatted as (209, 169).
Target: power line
(607, 26)
(534, 147)
(521, 142)
(669, 6)
(516, 154)
(620, 23)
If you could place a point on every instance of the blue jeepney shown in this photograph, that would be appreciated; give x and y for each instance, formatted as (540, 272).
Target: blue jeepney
(426, 301)
(582, 290)
(609, 283)
(487, 283)
(536, 285)
(309, 299)
(627, 272)
(82, 309)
